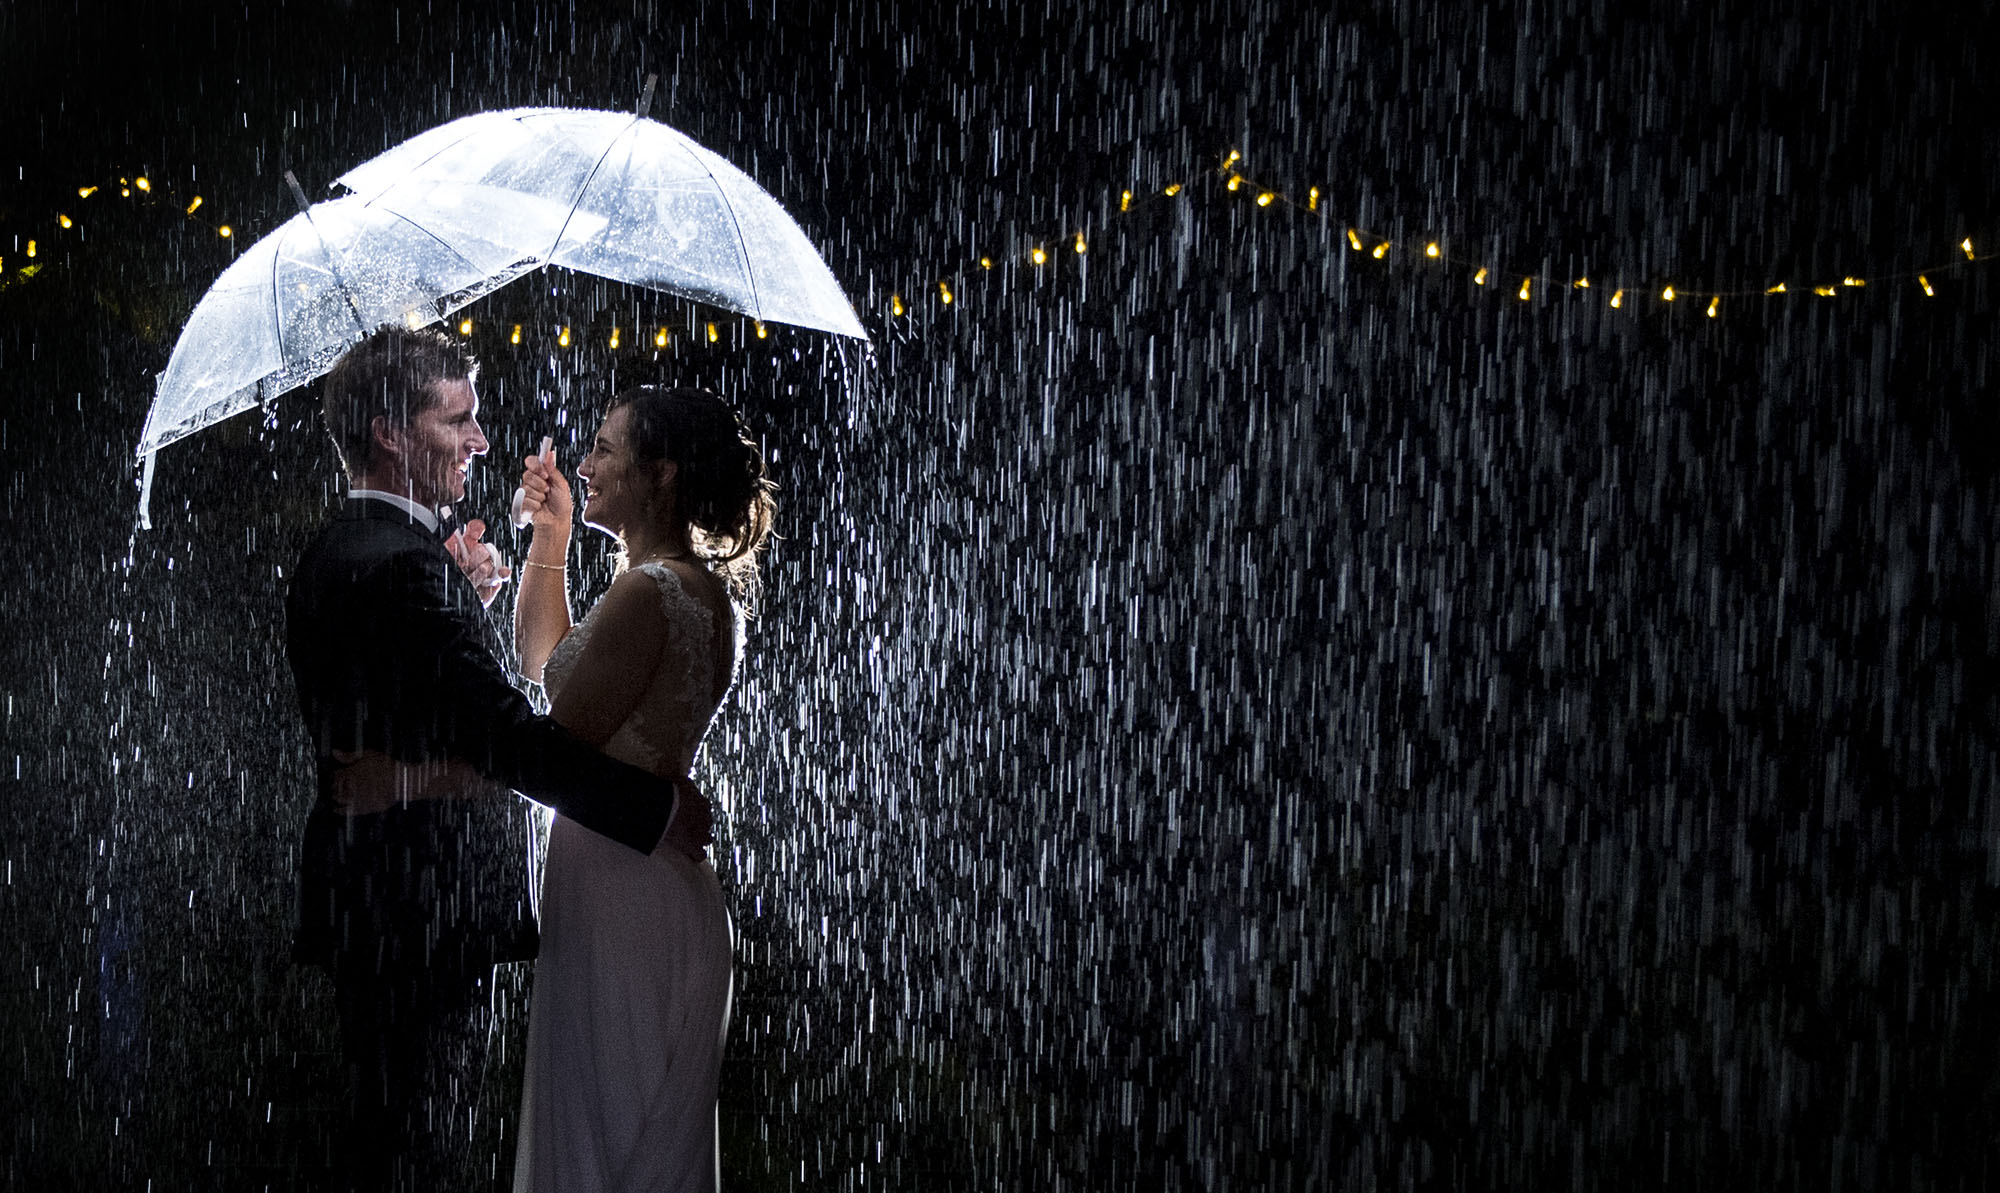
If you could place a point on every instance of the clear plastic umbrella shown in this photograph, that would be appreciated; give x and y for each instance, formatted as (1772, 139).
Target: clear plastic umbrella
(455, 213)
(650, 207)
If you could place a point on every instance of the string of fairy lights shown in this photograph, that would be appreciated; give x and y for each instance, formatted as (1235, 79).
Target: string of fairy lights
(1527, 286)
(27, 257)
(23, 259)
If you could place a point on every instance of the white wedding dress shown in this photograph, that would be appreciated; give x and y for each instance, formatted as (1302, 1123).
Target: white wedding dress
(632, 987)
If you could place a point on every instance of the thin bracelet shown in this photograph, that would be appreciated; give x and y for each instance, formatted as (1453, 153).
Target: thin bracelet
(547, 567)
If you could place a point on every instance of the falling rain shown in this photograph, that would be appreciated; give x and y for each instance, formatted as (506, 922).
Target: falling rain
(1400, 598)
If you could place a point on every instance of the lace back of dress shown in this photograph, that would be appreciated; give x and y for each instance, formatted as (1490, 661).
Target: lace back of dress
(663, 733)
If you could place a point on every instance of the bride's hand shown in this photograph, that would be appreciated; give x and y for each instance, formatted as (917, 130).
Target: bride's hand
(545, 493)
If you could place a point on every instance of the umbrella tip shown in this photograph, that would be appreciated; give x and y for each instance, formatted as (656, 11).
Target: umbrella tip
(298, 192)
(646, 96)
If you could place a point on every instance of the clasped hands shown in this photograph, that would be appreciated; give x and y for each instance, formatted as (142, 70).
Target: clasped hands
(369, 781)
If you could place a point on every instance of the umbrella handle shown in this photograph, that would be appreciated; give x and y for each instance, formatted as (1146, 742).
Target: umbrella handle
(520, 515)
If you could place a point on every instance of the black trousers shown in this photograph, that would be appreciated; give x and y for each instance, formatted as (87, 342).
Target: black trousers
(415, 1041)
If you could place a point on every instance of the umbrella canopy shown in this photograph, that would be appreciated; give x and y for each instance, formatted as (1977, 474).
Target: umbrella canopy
(625, 198)
(455, 213)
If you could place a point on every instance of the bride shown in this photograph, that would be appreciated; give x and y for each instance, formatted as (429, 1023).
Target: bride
(632, 987)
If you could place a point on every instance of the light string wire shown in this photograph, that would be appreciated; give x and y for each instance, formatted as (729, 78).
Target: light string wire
(21, 259)
(943, 290)
(1527, 285)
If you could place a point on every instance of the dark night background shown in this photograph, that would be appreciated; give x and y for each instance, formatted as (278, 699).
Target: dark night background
(1228, 711)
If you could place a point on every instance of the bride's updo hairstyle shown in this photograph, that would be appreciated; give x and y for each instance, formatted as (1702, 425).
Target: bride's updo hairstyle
(721, 492)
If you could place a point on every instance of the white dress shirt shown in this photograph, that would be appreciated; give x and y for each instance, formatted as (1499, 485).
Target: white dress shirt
(427, 517)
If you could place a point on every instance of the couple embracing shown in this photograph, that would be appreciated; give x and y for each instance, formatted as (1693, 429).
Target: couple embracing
(414, 864)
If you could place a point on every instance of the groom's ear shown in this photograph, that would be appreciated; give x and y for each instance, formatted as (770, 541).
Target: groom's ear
(385, 439)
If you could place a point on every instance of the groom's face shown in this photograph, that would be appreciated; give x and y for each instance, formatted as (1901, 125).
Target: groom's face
(440, 442)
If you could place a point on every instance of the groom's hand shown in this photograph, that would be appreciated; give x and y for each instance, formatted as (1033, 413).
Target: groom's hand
(692, 830)
(478, 560)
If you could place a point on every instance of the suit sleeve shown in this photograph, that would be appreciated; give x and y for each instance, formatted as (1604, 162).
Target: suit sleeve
(480, 717)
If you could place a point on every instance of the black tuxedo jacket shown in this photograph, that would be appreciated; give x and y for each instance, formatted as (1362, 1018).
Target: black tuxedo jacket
(392, 652)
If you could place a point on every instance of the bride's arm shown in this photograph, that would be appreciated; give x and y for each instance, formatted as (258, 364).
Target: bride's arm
(614, 669)
(541, 599)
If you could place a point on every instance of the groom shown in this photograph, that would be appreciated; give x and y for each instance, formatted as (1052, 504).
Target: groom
(413, 875)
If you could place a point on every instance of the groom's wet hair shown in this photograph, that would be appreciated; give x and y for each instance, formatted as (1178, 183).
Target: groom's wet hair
(394, 373)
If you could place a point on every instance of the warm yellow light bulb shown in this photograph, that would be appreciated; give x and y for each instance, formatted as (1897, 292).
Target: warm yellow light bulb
(225, 231)
(896, 304)
(465, 327)
(143, 185)
(759, 325)
(1235, 180)
(1080, 245)
(1173, 188)
(562, 337)
(1823, 291)
(125, 192)
(1479, 279)
(1668, 294)
(85, 192)
(1777, 289)
(1852, 281)
(193, 205)
(660, 338)
(31, 248)
(1526, 292)
(1312, 199)
(516, 337)
(713, 336)
(986, 263)
(944, 293)
(1431, 249)
(1233, 158)
(1926, 284)
(1264, 200)
(1580, 284)
(1038, 257)
(1354, 239)
(1380, 251)
(614, 337)
(1125, 200)
(1617, 299)
(1966, 244)
(1713, 302)
(64, 220)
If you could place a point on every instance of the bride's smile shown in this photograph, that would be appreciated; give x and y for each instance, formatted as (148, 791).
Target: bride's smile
(620, 492)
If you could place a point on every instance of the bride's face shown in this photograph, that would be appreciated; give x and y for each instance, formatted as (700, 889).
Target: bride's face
(617, 488)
